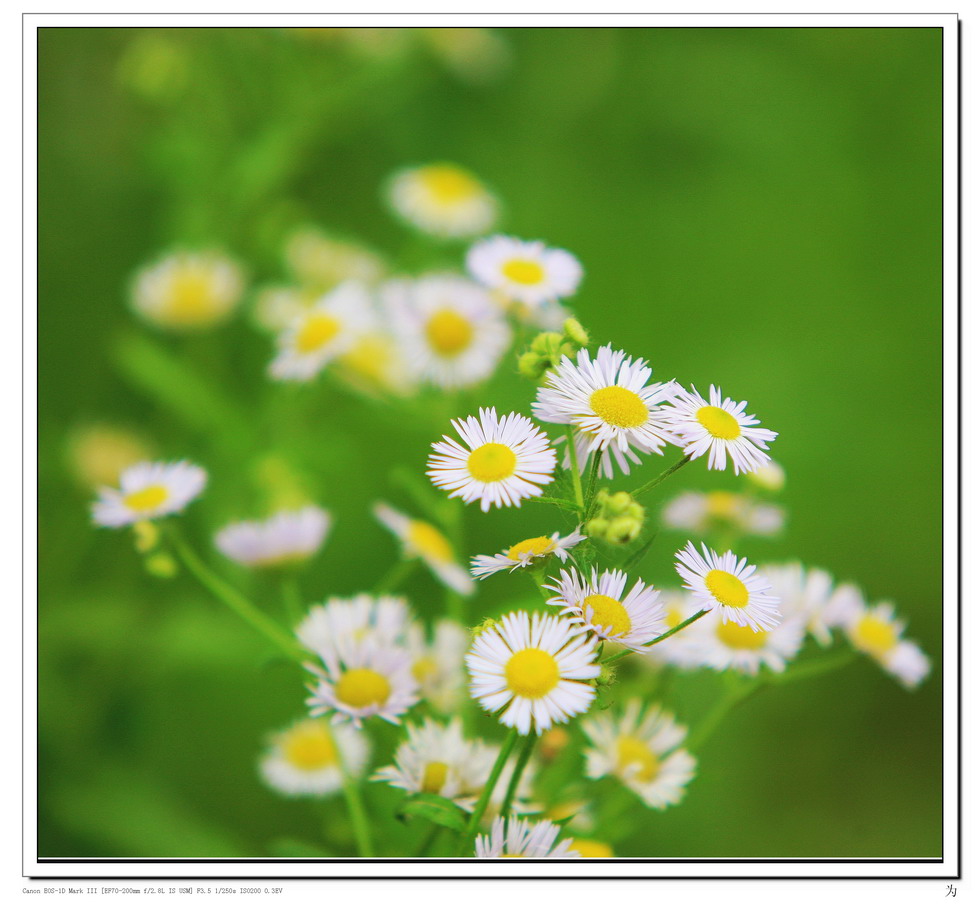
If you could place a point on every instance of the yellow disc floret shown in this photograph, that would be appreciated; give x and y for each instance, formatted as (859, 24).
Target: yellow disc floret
(449, 184)
(448, 332)
(619, 407)
(316, 332)
(527, 273)
(590, 848)
(424, 668)
(428, 542)
(608, 612)
(635, 759)
(536, 546)
(719, 423)
(740, 637)
(434, 777)
(726, 588)
(531, 673)
(192, 299)
(362, 688)
(722, 504)
(309, 746)
(874, 635)
(492, 462)
(147, 499)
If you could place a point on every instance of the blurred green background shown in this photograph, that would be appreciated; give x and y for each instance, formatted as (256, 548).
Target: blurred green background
(758, 208)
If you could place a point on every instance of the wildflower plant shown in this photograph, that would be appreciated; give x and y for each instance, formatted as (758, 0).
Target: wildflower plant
(490, 722)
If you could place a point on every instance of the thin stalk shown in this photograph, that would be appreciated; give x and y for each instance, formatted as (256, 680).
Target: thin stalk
(292, 598)
(728, 702)
(659, 638)
(809, 670)
(593, 478)
(394, 577)
(576, 474)
(235, 600)
(355, 805)
(515, 778)
(466, 843)
(660, 478)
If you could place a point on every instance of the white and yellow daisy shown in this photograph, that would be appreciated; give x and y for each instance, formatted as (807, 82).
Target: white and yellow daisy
(376, 361)
(451, 331)
(720, 428)
(728, 645)
(148, 490)
(275, 308)
(435, 758)
(722, 511)
(530, 552)
(725, 582)
(383, 620)
(505, 460)
(641, 749)
(599, 603)
(612, 454)
(188, 290)
(322, 332)
(320, 262)
(438, 665)
(424, 540)
(533, 669)
(527, 272)
(516, 837)
(362, 679)
(771, 476)
(609, 400)
(285, 538)
(805, 594)
(309, 757)
(442, 199)
(877, 632)
(592, 848)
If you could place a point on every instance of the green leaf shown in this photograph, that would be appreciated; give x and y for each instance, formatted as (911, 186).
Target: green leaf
(436, 809)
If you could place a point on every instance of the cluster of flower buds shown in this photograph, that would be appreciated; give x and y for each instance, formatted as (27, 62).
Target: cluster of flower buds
(548, 349)
(618, 519)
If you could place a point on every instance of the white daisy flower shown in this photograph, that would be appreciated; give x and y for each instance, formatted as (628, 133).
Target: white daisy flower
(641, 749)
(284, 538)
(451, 331)
(148, 490)
(720, 428)
(429, 544)
(442, 199)
(505, 460)
(528, 272)
(601, 605)
(770, 476)
(728, 645)
(725, 582)
(322, 262)
(382, 620)
(435, 758)
(845, 603)
(519, 838)
(721, 510)
(277, 307)
(322, 332)
(308, 758)
(188, 290)
(877, 632)
(609, 400)
(363, 679)
(534, 669)
(806, 594)
(529, 552)
(438, 665)
(683, 649)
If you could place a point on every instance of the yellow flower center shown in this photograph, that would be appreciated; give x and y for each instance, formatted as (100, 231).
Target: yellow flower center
(619, 407)
(316, 332)
(674, 616)
(370, 357)
(513, 856)
(635, 759)
(536, 546)
(719, 423)
(147, 499)
(607, 611)
(424, 668)
(491, 462)
(589, 848)
(875, 635)
(434, 777)
(448, 332)
(740, 637)
(523, 271)
(429, 542)
(721, 504)
(309, 747)
(531, 673)
(449, 184)
(726, 588)
(191, 299)
(362, 688)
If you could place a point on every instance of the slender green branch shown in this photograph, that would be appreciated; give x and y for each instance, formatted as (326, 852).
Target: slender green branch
(355, 804)
(466, 843)
(576, 474)
(725, 704)
(809, 670)
(394, 577)
(235, 600)
(292, 598)
(660, 478)
(659, 638)
(593, 478)
(515, 777)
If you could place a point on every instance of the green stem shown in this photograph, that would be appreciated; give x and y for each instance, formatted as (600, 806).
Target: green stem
(395, 576)
(515, 777)
(538, 576)
(292, 598)
(576, 474)
(355, 805)
(466, 843)
(659, 638)
(593, 478)
(235, 600)
(809, 670)
(735, 696)
(660, 478)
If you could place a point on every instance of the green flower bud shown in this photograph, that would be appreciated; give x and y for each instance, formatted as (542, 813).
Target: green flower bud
(146, 536)
(576, 332)
(597, 527)
(620, 502)
(531, 365)
(161, 565)
(623, 529)
(546, 343)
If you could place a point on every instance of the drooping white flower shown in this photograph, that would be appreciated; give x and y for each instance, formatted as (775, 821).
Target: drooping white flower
(519, 838)
(284, 538)
(531, 551)
(309, 757)
(528, 272)
(148, 490)
(442, 199)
